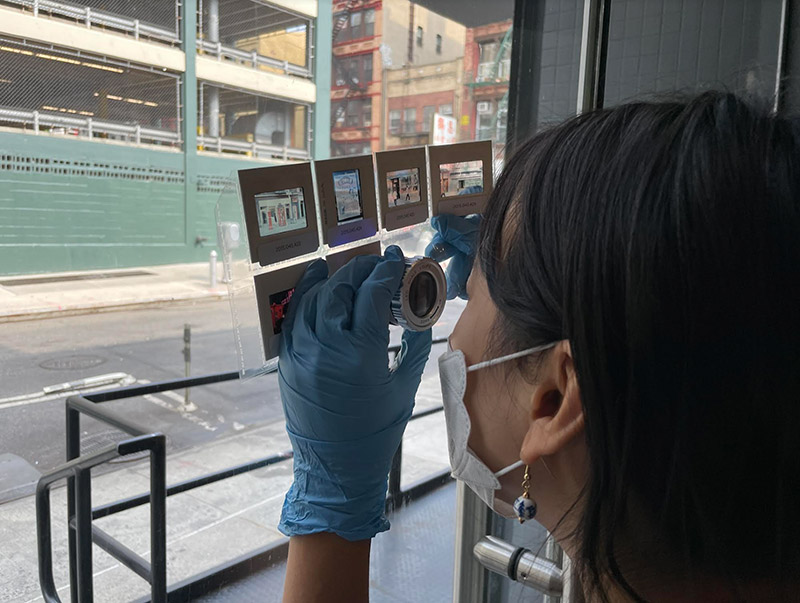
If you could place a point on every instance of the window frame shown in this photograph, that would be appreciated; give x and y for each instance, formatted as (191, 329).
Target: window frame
(409, 125)
(427, 118)
(395, 121)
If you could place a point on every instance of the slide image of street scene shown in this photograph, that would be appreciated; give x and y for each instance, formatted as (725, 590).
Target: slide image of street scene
(402, 187)
(278, 302)
(463, 178)
(347, 191)
(280, 211)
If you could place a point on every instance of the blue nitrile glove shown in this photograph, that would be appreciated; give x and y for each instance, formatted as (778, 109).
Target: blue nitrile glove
(345, 409)
(457, 238)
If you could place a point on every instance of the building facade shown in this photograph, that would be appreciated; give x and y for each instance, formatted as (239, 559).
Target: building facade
(121, 122)
(414, 95)
(487, 66)
(369, 39)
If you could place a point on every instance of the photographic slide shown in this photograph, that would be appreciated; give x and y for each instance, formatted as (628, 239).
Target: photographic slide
(280, 211)
(347, 192)
(278, 302)
(402, 187)
(463, 178)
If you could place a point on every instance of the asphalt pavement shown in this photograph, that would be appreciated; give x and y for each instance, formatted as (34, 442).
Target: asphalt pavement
(225, 424)
(144, 345)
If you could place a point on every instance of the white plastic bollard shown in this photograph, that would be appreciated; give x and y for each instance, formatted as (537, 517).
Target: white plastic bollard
(212, 268)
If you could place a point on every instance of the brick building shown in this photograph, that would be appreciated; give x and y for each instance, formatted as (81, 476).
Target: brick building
(414, 95)
(487, 66)
(370, 36)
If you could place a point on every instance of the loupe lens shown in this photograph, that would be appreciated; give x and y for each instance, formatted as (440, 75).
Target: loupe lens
(419, 302)
(422, 294)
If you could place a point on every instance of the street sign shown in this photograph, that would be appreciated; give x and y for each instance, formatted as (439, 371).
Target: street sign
(444, 129)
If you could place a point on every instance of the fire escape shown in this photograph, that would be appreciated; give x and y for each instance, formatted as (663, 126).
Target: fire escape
(354, 84)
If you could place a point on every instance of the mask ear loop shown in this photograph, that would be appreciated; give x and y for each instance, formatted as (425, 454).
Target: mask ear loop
(514, 356)
(509, 469)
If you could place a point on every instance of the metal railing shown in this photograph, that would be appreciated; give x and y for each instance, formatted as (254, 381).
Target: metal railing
(252, 149)
(252, 59)
(87, 126)
(91, 16)
(81, 514)
(494, 70)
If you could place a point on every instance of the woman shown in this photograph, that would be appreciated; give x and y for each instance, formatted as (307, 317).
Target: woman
(637, 281)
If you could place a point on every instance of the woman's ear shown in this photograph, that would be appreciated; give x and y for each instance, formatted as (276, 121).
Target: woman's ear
(556, 412)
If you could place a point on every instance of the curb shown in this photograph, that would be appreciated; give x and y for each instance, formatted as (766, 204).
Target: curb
(113, 306)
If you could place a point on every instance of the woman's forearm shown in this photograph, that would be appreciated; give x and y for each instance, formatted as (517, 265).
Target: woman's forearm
(326, 567)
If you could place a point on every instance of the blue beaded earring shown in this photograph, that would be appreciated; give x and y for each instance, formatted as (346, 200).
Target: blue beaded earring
(524, 506)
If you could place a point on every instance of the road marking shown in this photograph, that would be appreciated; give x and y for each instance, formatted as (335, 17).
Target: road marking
(167, 405)
(119, 380)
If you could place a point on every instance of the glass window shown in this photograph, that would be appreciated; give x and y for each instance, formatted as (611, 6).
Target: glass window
(395, 121)
(488, 51)
(369, 22)
(366, 110)
(236, 127)
(427, 117)
(358, 113)
(409, 120)
(419, 35)
(367, 73)
(446, 109)
(661, 46)
(438, 44)
(339, 70)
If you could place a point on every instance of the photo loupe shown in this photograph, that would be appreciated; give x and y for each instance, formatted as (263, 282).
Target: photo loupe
(420, 301)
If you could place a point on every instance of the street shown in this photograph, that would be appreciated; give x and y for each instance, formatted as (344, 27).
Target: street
(143, 345)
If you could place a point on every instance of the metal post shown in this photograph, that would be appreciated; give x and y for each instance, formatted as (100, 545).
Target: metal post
(36, 121)
(83, 533)
(310, 47)
(187, 359)
(213, 112)
(287, 128)
(73, 452)
(35, 8)
(88, 18)
(786, 15)
(472, 523)
(212, 270)
(213, 20)
(527, 38)
(158, 521)
(213, 91)
(554, 553)
(594, 45)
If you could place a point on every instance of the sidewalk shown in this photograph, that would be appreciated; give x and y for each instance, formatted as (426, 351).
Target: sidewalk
(206, 526)
(46, 295)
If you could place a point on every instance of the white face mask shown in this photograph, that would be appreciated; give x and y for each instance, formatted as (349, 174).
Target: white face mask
(464, 463)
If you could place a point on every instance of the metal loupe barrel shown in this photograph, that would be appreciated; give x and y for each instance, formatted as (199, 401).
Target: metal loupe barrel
(420, 301)
(519, 564)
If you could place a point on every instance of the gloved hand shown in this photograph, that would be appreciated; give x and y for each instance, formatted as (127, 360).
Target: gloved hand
(345, 409)
(457, 238)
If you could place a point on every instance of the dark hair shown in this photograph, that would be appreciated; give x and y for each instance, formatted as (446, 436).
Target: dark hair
(663, 241)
